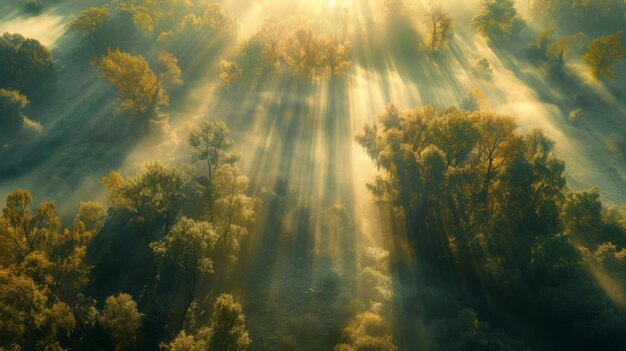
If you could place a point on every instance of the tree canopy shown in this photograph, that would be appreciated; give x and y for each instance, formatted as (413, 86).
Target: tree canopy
(141, 89)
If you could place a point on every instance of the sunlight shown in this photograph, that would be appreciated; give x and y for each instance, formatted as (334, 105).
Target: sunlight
(312, 175)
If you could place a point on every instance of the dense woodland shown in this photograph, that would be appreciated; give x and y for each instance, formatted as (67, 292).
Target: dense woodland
(242, 228)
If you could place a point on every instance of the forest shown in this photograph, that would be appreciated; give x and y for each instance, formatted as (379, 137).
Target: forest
(343, 175)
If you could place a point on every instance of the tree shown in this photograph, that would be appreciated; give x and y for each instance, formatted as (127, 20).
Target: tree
(189, 249)
(12, 105)
(189, 342)
(121, 319)
(441, 27)
(231, 72)
(541, 42)
(25, 64)
(233, 211)
(495, 147)
(142, 90)
(305, 54)
(367, 331)
(338, 58)
(497, 18)
(69, 249)
(90, 21)
(228, 325)
(153, 198)
(475, 101)
(561, 49)
(211, 144)
(270, 36)
(28, 319)
(23, 232)
(604, 53)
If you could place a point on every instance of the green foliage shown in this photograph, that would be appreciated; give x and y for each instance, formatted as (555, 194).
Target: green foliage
(585, 15)
(25, 64)
(121, 319)
(604, 53)
(369, 329)
(496, 19)
(33, 7)
(12, 105)
(487, 206)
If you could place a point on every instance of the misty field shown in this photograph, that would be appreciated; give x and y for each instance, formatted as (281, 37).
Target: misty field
(347, 175)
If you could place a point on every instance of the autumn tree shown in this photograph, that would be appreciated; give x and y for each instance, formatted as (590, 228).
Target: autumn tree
(440, 26)
(338, 58)
(142, 90)
(153, 198)
(305, 54)
(496, 18)
(24, 232)
(234, 211)
(45, 264)
(455, 161)
(226, 330)
(188, 248)
(121, 319)
(69, 249)
(228, 325)
(189, 342)
(90, 21)
(28, 318)
(367, 331)
(560, 49)
(541, 42)
(604, 53)
(222, 190)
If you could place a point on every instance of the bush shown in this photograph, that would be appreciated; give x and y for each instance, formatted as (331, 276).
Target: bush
(33, 6)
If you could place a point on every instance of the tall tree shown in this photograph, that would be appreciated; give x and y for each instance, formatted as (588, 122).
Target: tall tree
(211, 144)
(121, 319)
(440, 26)
(188, 248)
(228, 325)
